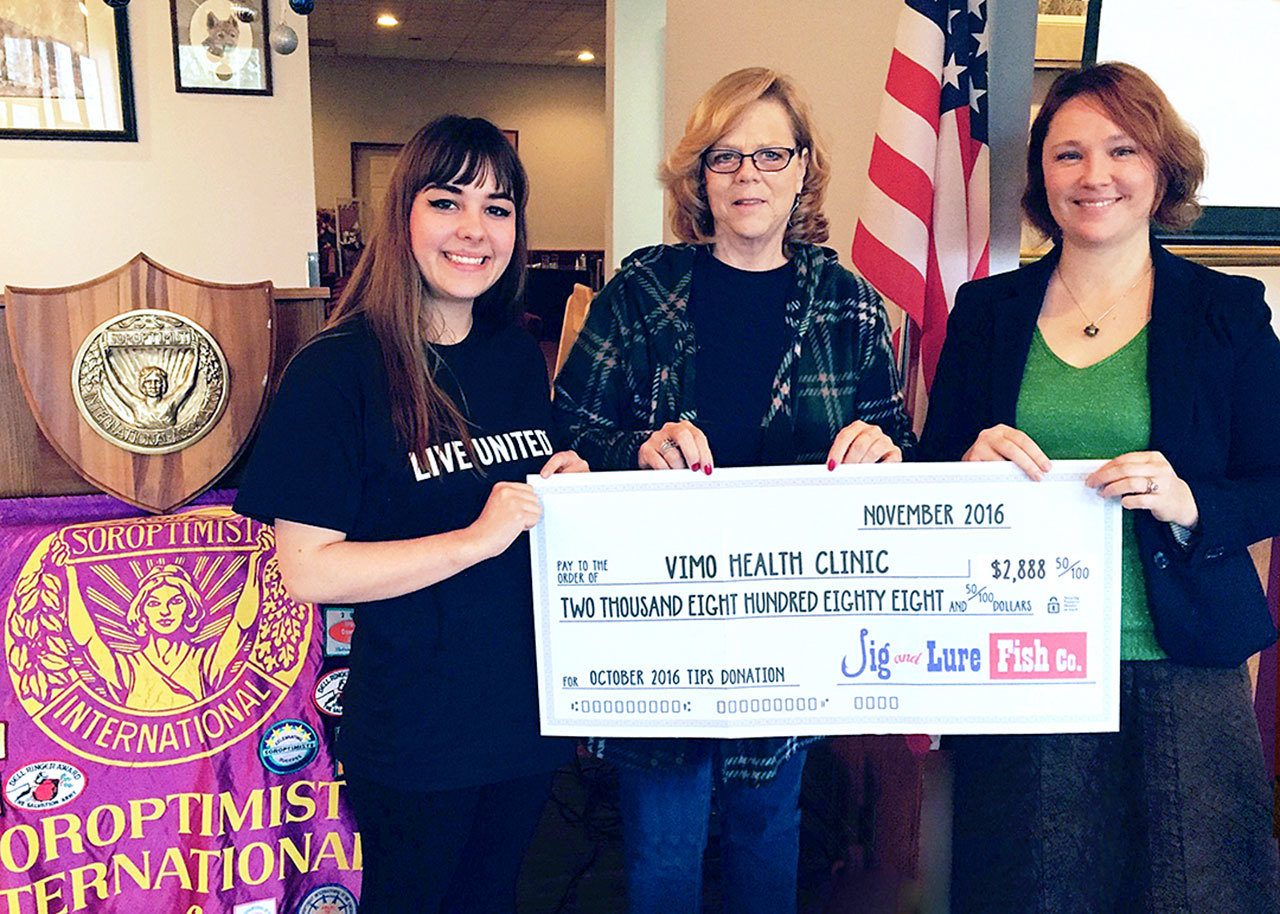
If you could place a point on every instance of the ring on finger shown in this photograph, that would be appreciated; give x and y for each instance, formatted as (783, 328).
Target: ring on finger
(666, 446)
(1152, 486)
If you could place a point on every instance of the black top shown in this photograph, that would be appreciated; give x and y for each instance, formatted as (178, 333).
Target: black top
(1212, 365)
(442, 690)
(739, 325)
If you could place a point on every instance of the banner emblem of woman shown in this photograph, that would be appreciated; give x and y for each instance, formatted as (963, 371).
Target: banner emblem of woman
(154, 641)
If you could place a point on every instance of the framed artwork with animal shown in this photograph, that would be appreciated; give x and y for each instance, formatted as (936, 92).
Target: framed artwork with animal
(221, 46)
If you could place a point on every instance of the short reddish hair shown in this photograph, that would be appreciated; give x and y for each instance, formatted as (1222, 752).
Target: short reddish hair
(1132, 99)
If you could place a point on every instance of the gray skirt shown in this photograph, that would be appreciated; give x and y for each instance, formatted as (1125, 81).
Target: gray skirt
(1170, 814)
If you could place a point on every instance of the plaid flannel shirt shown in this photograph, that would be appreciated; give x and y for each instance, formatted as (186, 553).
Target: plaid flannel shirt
(632, 369)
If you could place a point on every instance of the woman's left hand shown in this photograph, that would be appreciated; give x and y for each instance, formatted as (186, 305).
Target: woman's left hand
(564, 462)
(1146, 480)
(861, 442)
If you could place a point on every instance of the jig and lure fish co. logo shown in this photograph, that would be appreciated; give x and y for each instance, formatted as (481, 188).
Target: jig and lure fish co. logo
(869, 658)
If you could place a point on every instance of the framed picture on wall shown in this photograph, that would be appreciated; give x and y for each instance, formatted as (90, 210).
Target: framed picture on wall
(1060, 33)
(371, 165)
(220, 46)
(65, 72)
(1219, 73)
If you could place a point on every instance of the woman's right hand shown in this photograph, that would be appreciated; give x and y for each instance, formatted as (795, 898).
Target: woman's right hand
(675, 446)
(512, 508)
(1002, 442)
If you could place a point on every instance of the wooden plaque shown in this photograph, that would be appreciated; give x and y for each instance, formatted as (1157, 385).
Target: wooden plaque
(149, 383)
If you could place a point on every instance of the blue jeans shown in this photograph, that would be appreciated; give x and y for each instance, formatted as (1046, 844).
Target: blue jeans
(665, 814)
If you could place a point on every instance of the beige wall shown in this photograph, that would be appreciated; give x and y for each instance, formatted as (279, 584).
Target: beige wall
(837, 51)
(218, 187)
(559, 112)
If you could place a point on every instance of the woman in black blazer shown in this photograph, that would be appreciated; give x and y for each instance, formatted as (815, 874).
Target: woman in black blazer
(1112, 348)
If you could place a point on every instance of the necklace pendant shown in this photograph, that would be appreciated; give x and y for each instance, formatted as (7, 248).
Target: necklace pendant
(1091, 330)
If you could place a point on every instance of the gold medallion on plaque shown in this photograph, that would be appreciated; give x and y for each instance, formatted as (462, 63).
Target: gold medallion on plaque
(150, 381)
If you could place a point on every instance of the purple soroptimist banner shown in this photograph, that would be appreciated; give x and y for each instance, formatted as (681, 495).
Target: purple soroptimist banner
(160, 745)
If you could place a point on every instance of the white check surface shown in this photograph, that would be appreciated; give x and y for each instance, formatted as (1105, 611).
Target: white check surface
(916, 598)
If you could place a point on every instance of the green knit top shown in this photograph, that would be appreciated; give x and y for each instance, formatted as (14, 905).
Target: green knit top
(1097, 412)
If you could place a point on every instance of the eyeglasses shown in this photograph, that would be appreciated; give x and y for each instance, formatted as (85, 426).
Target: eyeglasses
(728, 161)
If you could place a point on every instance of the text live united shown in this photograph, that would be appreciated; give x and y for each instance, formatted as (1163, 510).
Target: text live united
(946, 599)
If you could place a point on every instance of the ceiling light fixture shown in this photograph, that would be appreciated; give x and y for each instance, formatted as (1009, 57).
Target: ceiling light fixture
(586, 56)
(387, 21)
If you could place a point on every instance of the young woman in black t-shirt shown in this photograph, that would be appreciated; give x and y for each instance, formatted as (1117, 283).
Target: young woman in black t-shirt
(391, 465)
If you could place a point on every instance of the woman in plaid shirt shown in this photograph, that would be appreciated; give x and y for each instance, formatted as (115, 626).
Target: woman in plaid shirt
(792, 358)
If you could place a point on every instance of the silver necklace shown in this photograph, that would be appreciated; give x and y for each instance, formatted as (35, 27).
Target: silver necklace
(1092, 329)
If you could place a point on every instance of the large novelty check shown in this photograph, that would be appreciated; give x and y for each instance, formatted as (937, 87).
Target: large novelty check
(943, 598)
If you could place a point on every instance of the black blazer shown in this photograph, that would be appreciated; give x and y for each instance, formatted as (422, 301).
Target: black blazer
(1213, 368)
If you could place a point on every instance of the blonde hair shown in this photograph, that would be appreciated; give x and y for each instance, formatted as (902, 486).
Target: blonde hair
(682, 174)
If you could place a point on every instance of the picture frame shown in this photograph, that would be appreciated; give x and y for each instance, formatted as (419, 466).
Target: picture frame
(371, 165)
(362, 153)
(65, 72)
(349, 227)
(1059, 34)
(1257, 227)
(221, 47)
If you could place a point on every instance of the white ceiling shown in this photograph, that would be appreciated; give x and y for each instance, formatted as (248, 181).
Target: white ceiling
(548, 32)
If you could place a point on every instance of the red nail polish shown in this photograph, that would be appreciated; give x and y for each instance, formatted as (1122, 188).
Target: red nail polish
(831, 464)
(707, 469)
(696, 467)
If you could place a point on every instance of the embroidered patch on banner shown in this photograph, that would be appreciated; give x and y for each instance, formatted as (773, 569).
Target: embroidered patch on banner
(328, 899)
(328, 692)
(288, 746)
(44, 785)
(154, 641)
(338, 627)
(264, 906)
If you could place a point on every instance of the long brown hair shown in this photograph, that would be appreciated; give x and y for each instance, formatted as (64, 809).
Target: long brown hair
(387, 287)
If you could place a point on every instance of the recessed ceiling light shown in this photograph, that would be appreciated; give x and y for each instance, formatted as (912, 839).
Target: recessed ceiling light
(586, 56)
(387, 21)
(84, 10)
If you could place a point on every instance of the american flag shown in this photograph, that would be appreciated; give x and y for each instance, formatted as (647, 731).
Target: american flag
(925, 223)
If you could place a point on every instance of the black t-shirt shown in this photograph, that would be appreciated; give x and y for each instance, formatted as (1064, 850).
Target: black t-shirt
(739, 325)
(442, 690)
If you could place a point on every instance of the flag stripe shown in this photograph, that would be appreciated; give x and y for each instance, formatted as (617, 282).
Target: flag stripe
(905, 133)
(920, 35)
(897, 280)
(914, 86)
(896, 228)
(925, 224)
(902, 180)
